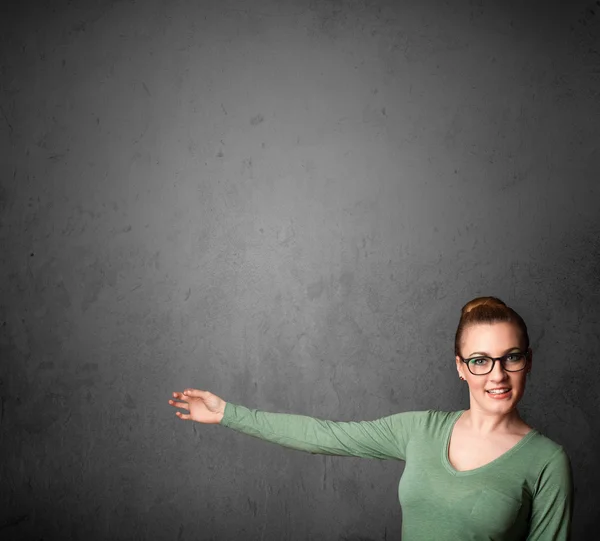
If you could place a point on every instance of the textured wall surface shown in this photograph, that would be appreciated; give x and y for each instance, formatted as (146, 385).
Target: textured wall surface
(286, 203)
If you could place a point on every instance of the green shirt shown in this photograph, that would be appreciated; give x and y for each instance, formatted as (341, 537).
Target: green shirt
(525, 494)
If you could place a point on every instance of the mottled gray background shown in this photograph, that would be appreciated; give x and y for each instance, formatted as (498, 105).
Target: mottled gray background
(286, 203)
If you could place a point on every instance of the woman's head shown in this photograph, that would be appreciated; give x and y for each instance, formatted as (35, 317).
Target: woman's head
(488, 327)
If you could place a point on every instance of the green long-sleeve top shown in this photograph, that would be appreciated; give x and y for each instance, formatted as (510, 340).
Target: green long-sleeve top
(524, 494)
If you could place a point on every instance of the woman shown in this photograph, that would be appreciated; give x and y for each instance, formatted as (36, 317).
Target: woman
(481, 473)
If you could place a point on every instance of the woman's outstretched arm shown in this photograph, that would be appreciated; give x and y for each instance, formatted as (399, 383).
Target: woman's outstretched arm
(383, 438)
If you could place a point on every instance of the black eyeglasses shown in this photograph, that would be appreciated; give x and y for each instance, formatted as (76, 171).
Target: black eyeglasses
(511, 362)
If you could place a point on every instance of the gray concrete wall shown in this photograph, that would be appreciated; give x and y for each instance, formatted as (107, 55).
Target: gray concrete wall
(286, 203)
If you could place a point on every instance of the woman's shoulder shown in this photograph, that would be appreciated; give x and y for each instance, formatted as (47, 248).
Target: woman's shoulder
(430, 414)
(433, 413)
(429, 419)
(548, 447)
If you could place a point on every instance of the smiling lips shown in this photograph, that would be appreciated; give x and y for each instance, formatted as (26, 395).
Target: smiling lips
(505, 389)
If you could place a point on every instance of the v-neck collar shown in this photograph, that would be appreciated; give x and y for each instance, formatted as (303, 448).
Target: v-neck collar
(446, 447)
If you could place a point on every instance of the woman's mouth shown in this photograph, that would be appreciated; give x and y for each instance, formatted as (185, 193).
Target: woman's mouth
(499, 393)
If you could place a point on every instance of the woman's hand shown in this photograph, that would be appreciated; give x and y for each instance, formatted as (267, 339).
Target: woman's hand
(203, 407)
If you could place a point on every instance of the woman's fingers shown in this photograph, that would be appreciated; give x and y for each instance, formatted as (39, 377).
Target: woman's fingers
(183, 416)
(182, 405)
(192, 393)
(196, 393)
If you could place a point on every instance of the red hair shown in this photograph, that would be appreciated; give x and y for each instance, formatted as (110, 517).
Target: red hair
(488, 310)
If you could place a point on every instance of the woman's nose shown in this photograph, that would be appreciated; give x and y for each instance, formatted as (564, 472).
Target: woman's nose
(498, 371)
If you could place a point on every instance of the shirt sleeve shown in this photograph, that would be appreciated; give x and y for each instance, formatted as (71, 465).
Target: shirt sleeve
(384, 438)
(552, 507)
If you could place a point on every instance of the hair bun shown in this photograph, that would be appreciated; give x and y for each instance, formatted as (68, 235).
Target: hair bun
(482, 301)
(488, 310)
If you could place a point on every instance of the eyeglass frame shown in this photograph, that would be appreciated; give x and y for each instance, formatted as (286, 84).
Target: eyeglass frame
(494, 359)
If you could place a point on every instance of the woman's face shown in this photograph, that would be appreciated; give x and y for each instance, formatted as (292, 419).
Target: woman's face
(493, 340)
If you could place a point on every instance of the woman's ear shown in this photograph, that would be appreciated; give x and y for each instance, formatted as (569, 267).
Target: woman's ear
(458, 363)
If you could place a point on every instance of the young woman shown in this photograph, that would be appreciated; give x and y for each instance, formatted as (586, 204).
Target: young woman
(475, 474)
